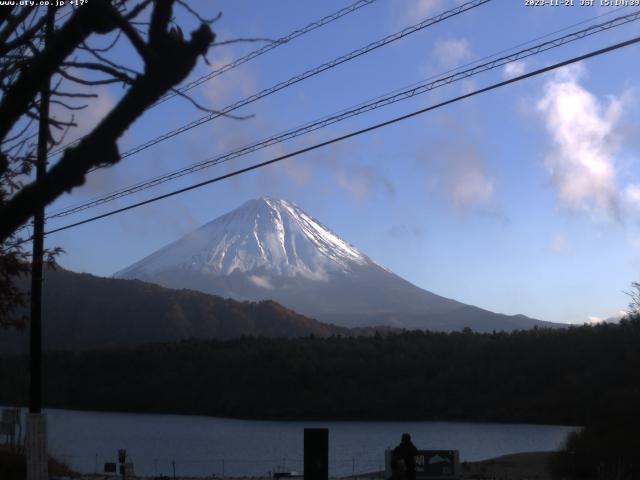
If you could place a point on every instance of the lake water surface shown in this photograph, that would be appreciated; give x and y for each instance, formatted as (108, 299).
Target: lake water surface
(205, 445)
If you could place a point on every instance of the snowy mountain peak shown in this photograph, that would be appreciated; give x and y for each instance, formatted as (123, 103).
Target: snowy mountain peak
(266, 236)
(272, 249)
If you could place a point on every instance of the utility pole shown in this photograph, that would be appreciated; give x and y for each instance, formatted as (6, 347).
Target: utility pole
(37, 458)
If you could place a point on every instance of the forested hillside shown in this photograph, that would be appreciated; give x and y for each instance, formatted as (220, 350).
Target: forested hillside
(571, 376)
(83, 312)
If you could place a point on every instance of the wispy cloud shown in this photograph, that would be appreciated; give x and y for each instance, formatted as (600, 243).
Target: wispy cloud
(262, 282)
(422, 8)
(231, 86)
(361, 180)
(457, 168)
(88, 118)
(460, 174)
(156, 219)
(106, 179)
(514, 69)
(631, 197)
(469, 185)
(452, 51)
(412, 11)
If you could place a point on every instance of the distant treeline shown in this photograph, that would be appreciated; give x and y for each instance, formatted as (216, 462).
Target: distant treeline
(575, 376)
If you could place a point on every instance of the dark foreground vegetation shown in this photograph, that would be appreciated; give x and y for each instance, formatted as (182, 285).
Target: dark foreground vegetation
(13, 466)
(602, 450)
(576, 376)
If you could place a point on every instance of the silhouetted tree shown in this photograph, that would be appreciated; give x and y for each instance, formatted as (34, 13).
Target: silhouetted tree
(69, 59)
(634, 304)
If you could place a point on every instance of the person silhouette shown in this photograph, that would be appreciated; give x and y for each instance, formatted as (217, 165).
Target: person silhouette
(407, 451)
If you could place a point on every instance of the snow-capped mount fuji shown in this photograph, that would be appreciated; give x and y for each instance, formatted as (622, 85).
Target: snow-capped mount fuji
(271, 249)
(273, 237)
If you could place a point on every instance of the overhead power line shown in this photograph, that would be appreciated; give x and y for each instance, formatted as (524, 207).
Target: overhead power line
(250, 56)
(408, 92)
(211, 162)
(266, 48)
(305, 75)
(355, 133)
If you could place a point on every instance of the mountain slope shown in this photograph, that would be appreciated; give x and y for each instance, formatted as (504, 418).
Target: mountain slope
(82, 312)
(272, 249)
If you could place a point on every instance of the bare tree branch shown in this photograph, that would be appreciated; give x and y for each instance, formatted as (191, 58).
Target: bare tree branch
(12, 23)
(135, 11)
(82, 81)
(104, 59)
(114, 72)
(199, 17)
(24, 37)
(93, 17)
(69, 107)
(73, 95)
(18, 135)
(117, 36)
(169, 63)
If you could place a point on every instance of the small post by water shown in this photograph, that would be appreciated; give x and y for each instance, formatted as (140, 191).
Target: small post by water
(316, 454)
(173, 464)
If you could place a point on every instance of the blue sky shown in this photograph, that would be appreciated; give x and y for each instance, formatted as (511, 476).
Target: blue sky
(522, 200)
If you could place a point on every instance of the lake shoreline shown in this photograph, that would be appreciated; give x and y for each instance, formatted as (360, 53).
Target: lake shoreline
(289, 419)
(513, 466)
(205, 446)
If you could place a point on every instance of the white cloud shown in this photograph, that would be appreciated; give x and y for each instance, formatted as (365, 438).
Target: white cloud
(262, 282)
(559, 244)
(613, 318)
(582, 128)
(452, 51)
(514, 69)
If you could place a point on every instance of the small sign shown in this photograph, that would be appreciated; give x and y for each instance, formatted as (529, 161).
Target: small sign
(110, 467)
(431, 464)
(437, 464)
